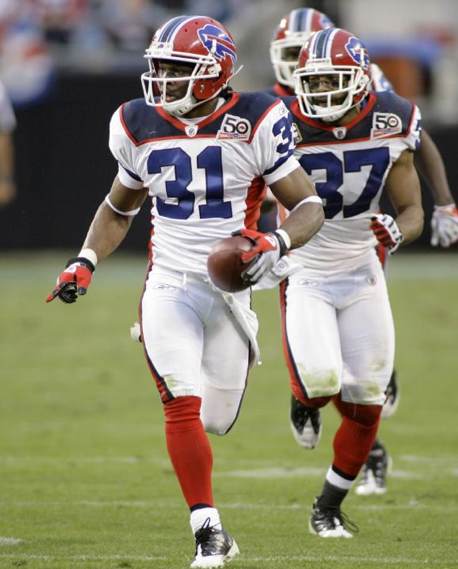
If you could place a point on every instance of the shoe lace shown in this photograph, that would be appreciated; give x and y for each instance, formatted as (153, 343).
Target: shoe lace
(331, 513)
(210, 539)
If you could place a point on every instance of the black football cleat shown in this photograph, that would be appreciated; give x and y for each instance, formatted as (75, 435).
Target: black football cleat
(392, 397)
(214, 547)
(305, 424)
(374, 472)
(330, 522)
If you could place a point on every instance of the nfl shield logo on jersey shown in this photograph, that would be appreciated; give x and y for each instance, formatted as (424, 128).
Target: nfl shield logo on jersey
(339, 132)
(191, 130)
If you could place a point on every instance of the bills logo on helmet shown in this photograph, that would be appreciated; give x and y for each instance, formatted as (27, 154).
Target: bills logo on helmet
(217, 42)
(357, 52)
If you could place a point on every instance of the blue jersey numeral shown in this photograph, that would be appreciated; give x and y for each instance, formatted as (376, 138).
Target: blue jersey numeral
(209, 160)
(353, 160)
(177, 188)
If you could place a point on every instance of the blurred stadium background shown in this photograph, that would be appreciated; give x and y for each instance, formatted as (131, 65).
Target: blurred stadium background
(84, 476)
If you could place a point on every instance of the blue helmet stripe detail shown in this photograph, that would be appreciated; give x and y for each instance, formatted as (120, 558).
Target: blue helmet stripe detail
(298, 20)
(293, 21)
(321, 44)
(303, 19)
(170, 28)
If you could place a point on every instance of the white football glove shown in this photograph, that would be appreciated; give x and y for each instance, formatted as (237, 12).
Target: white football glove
(386, 231)
(266, 251)
(444, 225)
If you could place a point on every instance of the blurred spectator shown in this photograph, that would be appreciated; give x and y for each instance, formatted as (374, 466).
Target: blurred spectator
(130, 24)
(26, 67)
(60, 18)
(7, 125)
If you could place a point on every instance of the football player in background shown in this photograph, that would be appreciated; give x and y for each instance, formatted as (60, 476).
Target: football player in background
(203, 153)
(355, 143)
(291, 34)
(7, 125)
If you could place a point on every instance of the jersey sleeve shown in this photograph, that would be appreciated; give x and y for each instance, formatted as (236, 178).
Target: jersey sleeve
(274, 144)
(413, 134)
(122, 149)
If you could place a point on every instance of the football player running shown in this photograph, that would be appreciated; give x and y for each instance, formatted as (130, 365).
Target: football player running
(203, 154)
(291, 34)
(337, 324)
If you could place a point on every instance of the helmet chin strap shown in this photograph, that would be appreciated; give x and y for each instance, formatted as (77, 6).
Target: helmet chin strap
(182, 108)
(334, 116)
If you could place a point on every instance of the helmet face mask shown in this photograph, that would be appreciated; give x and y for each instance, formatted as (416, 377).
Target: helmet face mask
(291, 34)
(161, 87)
(332, 104)
(284, 55)
(198, 52)
(328, 87)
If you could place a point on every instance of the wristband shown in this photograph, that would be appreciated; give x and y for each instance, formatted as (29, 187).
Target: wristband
(284, 241)
(450, 207)
(89, 254)
(83, 260)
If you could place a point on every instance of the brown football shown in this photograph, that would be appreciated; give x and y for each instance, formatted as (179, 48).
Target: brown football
(225, 265)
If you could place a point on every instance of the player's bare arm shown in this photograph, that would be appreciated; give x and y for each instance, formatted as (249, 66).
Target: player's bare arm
(444, 222)
(403, 187)
(107, 230)
(306, 220)
(429, 162)
(113, 219)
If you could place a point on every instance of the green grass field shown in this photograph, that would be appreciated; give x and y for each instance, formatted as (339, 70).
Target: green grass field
(85, 480)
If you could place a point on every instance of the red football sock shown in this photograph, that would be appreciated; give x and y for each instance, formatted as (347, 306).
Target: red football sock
(189, 449)
(355, 436)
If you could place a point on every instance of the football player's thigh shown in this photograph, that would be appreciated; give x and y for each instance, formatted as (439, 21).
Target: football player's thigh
(312, 340)
(367, 340)
(225, 366)
(173, 339)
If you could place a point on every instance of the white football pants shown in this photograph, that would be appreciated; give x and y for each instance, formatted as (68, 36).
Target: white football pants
(339, 334)
(194, 346)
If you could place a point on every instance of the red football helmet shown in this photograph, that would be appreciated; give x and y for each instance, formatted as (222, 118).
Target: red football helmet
(336, 57)
(202, 43)
(291, 34)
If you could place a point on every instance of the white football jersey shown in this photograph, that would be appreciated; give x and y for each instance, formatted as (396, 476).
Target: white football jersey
(206, 179)
(349, 166)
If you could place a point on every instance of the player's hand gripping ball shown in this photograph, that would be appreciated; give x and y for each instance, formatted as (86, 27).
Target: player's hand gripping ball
(225, 265)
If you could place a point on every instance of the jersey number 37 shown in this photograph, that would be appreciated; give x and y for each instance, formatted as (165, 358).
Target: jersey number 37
(377, 159)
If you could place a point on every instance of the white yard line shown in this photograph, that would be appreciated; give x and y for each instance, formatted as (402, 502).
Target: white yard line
(433, 461)
(174, 505)
(243, 558)
(10, 540)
